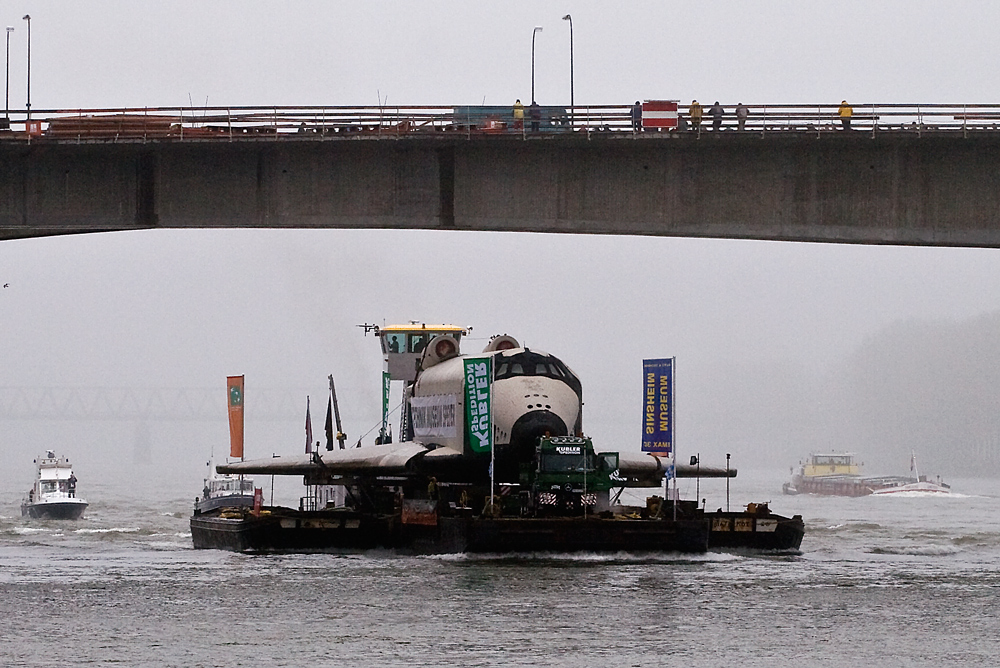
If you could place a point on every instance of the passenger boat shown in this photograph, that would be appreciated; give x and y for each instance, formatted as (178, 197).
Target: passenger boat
(53, 496)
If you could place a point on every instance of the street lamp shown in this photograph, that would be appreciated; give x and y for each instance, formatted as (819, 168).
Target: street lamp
(27, 18)
(572, 105)
(6, 104)
(534, 32)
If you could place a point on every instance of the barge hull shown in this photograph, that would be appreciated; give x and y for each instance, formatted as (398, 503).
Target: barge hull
(285, 530)
(749, 531)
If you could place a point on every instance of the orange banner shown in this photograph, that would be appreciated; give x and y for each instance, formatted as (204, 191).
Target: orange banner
(235, 385)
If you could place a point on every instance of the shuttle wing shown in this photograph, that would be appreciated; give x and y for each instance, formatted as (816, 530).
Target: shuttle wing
(644, 470)
(389, 459)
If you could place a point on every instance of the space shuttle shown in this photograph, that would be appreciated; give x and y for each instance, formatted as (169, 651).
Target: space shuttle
(531, 394)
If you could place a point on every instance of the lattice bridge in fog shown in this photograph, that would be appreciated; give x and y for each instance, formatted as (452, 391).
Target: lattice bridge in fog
(191, 404)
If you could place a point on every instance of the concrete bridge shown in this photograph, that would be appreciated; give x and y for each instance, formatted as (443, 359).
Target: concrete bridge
(803, 179)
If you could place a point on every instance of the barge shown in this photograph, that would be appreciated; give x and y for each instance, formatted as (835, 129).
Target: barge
(839, 474)
(492, 459)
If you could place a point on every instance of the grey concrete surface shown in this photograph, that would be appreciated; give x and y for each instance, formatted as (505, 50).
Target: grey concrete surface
(893, 188)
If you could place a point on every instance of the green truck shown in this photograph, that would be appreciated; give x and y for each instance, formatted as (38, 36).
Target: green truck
(568, 478)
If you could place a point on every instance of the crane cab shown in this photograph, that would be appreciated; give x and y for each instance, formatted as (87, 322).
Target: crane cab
(403, 346)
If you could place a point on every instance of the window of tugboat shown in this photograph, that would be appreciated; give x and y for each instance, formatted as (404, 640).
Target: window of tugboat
(417, 343)
(393, 344)
(48, 487)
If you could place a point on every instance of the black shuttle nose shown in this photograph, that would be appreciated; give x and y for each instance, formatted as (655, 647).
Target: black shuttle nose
(530, 427)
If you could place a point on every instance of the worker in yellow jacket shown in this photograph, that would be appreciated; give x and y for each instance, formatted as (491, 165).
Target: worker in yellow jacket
(694, 111)
(845, 112)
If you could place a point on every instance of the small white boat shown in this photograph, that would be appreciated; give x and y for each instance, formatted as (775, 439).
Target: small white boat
(53, 496)
(921, 485)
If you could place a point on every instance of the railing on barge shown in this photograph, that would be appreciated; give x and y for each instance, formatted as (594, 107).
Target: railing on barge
(346, 122)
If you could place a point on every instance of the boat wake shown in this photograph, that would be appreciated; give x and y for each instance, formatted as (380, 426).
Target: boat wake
(586, 557)
(917, 550)
(111, 530)
(916, 494)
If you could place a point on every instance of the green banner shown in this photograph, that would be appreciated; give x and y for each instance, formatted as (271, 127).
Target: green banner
(478, 373)
(385, 401)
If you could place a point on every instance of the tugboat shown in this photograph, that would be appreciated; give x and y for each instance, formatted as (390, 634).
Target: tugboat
(223, 490)
(53, 496)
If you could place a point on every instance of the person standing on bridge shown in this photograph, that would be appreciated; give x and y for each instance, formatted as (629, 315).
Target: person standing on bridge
(742, 113)
(518, 115)
(536, 116)
(694, 112)
(716, 113)
(845, 112)
(637, 117)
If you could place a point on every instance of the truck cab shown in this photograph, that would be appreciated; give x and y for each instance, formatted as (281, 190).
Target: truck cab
(568, 478)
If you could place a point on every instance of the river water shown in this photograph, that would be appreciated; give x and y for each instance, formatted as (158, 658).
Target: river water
(899, 581)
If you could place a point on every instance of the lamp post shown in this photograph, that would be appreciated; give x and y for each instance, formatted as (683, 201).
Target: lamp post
(572, 104)
(27, 17)
(6, 104)
(534, 32)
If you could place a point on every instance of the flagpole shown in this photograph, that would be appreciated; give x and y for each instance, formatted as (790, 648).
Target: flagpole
(673, 426)
(493, 445)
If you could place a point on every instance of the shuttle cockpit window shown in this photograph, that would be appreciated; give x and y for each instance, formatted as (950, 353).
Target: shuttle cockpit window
(528, 363)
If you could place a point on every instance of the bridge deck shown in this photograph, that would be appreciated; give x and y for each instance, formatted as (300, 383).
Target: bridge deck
(792, 174)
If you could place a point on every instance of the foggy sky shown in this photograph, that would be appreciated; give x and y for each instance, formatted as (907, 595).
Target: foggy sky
(759, 329)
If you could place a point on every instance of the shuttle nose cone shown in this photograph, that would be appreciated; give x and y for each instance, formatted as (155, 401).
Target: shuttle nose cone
(530, 426)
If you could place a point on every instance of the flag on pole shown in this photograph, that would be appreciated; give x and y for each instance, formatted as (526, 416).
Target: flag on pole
(235, 388)
(658, 413)
(386, 386)
(309, 429)
(478, 416)
(329, 424)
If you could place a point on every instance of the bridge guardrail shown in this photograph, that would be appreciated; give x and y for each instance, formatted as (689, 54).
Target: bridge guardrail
(342, 122)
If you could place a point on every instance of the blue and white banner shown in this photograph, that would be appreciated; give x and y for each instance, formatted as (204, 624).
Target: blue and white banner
(658, 413)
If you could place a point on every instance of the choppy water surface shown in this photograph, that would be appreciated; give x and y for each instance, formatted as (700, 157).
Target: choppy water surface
(901, 581)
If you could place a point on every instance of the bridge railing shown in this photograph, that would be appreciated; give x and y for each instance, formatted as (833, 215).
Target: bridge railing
(350, 122)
